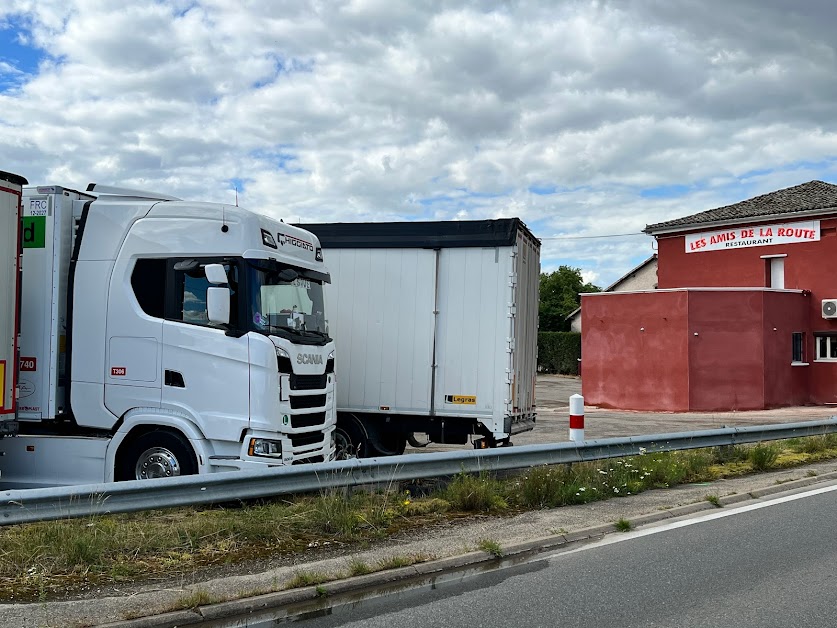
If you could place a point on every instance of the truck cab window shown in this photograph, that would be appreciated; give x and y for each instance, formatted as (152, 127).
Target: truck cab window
(193, 299)
(190, 293)
(149, 283)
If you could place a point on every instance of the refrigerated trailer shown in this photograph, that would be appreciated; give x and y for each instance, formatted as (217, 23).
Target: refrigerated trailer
(162, 337)
(436, 328)
(10, 194)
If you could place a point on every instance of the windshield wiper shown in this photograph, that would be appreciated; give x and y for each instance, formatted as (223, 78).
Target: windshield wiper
(295, 330)
(316, 331)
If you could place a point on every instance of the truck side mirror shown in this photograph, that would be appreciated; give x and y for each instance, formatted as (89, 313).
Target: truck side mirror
(218, 304)
(215, 273)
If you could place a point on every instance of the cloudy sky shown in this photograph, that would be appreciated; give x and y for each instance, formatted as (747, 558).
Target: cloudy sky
(588, 119)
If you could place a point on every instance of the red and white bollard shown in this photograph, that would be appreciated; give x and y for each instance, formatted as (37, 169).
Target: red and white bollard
(577, 418)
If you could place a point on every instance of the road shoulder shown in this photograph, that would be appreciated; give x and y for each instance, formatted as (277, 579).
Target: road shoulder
(455, 547)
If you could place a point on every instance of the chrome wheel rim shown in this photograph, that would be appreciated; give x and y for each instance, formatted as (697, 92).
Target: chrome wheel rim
(157, 462)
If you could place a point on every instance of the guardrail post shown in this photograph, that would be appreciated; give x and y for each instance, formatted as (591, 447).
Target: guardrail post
(577, 418)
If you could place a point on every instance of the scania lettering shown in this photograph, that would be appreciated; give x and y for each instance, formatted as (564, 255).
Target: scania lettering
(157, 337)
(436, 327)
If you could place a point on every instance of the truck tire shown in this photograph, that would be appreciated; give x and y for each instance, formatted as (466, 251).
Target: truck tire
(157, 454)
(350, 439)
(388, 445)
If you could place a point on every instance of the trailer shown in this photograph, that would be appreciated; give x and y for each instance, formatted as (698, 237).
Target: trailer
(436, 327)
(10, 202)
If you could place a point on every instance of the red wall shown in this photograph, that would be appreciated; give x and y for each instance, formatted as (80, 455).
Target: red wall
(808, 266)
(625, 367)
(692, 349)
(784, 385)
(726, 357)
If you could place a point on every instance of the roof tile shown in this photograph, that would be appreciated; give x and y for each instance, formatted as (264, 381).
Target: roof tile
(799, 198)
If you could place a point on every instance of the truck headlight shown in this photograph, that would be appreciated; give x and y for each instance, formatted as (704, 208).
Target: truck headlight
(265, 447)
(283, 361)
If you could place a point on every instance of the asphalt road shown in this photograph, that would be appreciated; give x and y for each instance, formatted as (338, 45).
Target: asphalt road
(773, 565)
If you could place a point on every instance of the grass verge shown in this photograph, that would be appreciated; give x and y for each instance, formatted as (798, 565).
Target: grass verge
(44, 560)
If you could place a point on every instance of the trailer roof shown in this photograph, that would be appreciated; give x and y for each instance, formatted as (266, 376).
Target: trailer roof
(13, 178)
(424, 235)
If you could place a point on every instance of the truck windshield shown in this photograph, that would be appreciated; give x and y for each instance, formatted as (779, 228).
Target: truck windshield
(286, 301)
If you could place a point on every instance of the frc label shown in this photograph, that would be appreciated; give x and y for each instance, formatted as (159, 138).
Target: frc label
(462, 400)
(118, 371)
(38, 207)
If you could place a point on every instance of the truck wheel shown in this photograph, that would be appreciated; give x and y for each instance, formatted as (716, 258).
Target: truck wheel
(157, 454)
(350, 439)
(388, 445)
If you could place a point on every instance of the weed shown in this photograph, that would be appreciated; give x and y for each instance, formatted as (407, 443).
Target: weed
(475, 493)
(332, 514)
(358, 568)
(321, 591)
(729, 453)
(713, 499)
(198, 597)
(396, 561)
(813, 444)
(490, 546)
(306, 579)
(763, 456)
(623, 525)
(811, 473)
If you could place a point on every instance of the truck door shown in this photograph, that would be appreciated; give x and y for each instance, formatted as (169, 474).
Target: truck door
(134, 333)
(206, 373)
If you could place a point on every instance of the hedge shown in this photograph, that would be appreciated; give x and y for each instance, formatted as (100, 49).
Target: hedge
(559, 352)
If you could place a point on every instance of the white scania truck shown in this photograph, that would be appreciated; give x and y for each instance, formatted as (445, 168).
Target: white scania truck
(160, 337)
(436, 327)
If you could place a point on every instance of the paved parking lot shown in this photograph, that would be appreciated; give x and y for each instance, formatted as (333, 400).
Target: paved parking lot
(553, 394)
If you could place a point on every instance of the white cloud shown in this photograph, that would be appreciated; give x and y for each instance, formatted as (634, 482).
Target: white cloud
(374, 109)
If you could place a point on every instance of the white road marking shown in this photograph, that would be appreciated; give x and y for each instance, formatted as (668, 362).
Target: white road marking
(673, 525)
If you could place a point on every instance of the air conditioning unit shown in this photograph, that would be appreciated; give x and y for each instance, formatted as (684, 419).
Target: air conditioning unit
(829, 308)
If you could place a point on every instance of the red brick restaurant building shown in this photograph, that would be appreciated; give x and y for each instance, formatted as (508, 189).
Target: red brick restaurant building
(744, 316)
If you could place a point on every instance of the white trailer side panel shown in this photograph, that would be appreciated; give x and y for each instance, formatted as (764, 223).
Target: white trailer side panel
(527, 271)
(9, 224)
(381, 304)
(474, 332)
(48, 237)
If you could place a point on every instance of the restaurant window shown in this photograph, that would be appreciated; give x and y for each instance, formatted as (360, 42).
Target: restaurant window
(826, 348)
(798, 347)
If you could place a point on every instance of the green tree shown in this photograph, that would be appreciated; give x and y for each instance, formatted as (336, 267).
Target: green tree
(559, 297)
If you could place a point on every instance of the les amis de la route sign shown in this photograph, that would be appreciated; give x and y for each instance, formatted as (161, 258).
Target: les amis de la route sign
(761, 235)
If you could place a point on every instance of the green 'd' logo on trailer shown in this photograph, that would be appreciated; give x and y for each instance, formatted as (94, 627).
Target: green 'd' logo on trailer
(34, 232)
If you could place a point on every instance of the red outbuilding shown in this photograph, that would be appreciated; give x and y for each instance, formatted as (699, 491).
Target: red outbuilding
(744, 316)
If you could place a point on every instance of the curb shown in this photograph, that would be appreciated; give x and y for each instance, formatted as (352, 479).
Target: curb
(355, 584)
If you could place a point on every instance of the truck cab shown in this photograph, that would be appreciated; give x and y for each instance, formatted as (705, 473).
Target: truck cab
(163, 337)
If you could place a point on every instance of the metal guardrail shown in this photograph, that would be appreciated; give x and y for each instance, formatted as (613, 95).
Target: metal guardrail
(43, 504)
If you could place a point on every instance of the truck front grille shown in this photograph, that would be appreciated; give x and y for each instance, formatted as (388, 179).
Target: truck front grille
(303, 440)
(307, 401)
(307, 420)
(308, 382)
